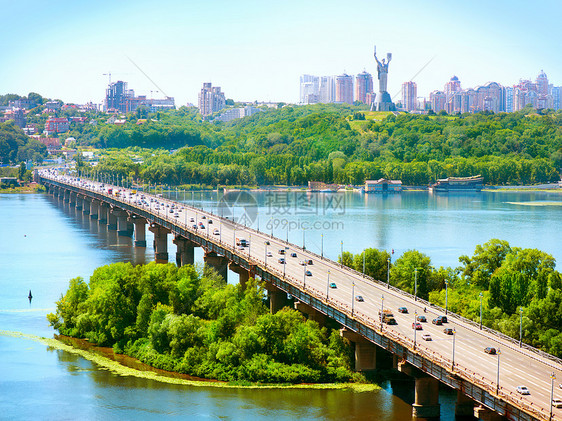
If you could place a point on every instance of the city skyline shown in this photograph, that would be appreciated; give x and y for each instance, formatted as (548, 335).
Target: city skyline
(258, 51)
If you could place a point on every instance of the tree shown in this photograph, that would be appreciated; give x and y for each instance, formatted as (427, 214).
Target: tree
(376, 263)
(408, 268)
(486, 260)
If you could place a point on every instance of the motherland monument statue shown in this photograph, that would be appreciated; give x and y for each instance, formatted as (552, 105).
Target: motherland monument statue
(383, 102)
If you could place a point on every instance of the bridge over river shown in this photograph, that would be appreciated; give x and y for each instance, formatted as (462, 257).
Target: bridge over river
(323, 289)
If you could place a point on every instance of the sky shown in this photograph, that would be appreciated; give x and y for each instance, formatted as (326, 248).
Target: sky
(256, 50)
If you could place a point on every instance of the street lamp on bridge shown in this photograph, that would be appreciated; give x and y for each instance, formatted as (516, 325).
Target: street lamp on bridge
(552, 378)
(265, 242)
(520, 327)
(328, 285)
(304, 276)
(446, 295)
(498, 352)
(454, 336)
(414, 326)
(480, 295)
(388, 272)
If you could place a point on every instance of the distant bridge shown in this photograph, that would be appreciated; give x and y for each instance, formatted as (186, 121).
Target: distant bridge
(486, 384)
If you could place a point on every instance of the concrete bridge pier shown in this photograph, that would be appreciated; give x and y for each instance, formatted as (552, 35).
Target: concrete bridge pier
(86, 206)
(485, 414)
(102, 213)
(124, 228)
(464, 407)
(185, 252)
(111, 220)
(94, 209)
(72, 199)
(365, 351)
(160, 243)
(277, 298)
(79, 202)
(311, 313)
(65, 196)
(244, 274)
(219, 263)
(426, 403)
(140, 232)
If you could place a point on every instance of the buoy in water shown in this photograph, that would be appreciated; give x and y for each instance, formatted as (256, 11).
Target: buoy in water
(30, 296)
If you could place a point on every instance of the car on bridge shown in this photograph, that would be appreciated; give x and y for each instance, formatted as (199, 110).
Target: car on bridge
(523, 390)
(402, 310)
(216, 231)
(426, 337)
(422, 319)
(437, 321)
(490, 350)
(442, 318)
(281, 260)
(448, 331)
(281, 251)
(333, 285)
(417, 326)
(269, 254)
(293, 254)
(308, 273)
(359, 298)
(557, 403)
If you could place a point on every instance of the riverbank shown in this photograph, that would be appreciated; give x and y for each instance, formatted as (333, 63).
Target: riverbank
(123, 365)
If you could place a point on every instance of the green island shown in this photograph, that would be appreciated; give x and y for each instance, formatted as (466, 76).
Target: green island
(188, 320)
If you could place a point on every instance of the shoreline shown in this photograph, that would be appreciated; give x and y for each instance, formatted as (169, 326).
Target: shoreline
(106, 358)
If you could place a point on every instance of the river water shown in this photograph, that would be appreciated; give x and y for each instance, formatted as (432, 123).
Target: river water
(45, 243)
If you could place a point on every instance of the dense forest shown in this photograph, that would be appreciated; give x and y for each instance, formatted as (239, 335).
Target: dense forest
(331, 143)
(192, 322)
(509, 279)
(324, 142)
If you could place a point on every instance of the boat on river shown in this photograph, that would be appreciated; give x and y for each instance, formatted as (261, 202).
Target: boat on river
(458, 184)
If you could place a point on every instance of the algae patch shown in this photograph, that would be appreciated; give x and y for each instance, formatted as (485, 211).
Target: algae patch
(122, 370)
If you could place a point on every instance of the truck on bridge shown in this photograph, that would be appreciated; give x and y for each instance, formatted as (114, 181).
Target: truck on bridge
(387, 317)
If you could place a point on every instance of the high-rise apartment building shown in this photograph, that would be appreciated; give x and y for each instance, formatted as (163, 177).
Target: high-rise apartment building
(438, 100)
(211, 99)
(452, 89)
(363, 87)
(344, 89)
(409, 96)
(327, 89)
(309, 89)
(116, 97)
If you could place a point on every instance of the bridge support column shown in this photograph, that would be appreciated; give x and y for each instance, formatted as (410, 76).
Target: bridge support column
(244, 274)
(485, 414)
(102, 213)
(160, 243)
(94, 209)
(426, 403)
(111, 220)
(464, 407)
(365, 351)
(311, 313)
(79, 202)
(123, 225)
(72, 199)
(219, 263)
(277, 298)
(140, 232)
(86, 206)
(185, 254)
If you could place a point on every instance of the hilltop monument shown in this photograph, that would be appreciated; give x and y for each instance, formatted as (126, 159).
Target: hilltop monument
(383, 102)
